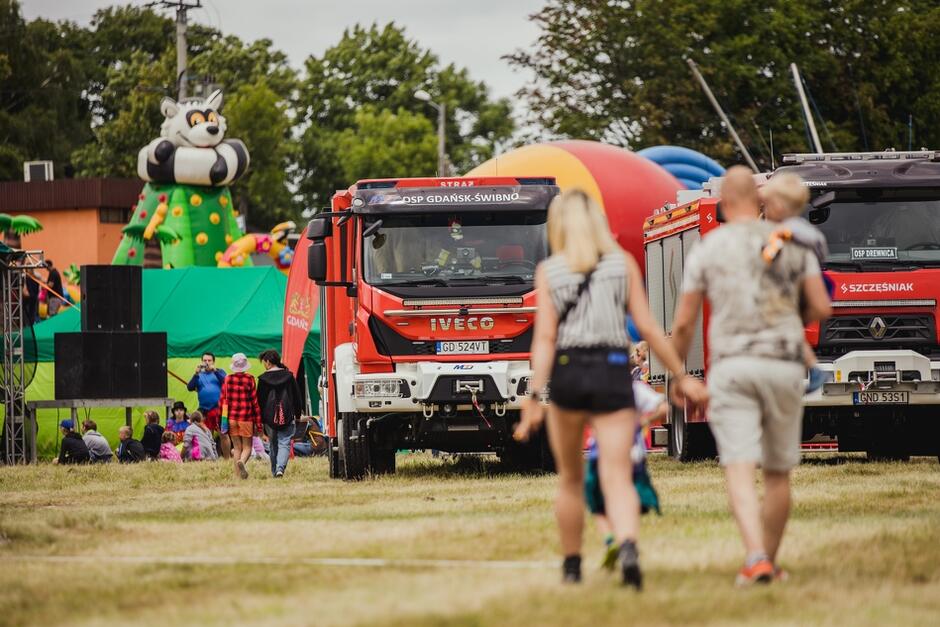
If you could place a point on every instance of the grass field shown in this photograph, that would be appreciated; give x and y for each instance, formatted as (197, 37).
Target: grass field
(187, 544)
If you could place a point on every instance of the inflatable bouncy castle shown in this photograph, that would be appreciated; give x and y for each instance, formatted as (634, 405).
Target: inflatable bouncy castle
(692, 168)
(184, 216)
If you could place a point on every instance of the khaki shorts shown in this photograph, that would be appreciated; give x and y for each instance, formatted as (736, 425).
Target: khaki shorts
(756, 410)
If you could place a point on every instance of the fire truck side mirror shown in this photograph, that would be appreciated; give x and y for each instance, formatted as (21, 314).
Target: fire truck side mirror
(319, 228)
(316, 261)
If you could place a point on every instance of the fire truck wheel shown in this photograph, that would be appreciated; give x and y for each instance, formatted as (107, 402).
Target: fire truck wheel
(382, 462)
(534, 455)
(351, 456)
(879, 451)
(336, 469)
(689, 441)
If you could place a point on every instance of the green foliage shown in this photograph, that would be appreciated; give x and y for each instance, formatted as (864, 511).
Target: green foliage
(616, 71)
(42, 73)
(379, 67)
(387, 144)
(257, 116)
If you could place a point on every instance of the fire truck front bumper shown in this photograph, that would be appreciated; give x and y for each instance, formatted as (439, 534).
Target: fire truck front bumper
(430, 386)
(885, 377)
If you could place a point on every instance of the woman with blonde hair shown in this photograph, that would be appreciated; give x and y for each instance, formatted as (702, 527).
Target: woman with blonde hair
(585, 290)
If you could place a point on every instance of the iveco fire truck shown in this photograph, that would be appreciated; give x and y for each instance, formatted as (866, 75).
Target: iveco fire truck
(427, 307)
(880, 213)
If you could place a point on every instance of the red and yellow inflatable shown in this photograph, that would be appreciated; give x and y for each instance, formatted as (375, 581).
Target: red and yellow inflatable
(628, 186)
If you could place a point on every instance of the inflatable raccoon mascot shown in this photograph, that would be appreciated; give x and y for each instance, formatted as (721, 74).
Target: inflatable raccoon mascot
(191, 147)
(184, 215)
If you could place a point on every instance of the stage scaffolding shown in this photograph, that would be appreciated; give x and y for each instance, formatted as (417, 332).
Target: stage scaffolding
(19, 429)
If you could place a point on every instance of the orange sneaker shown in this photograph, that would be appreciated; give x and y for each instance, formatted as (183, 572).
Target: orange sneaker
(761, 571)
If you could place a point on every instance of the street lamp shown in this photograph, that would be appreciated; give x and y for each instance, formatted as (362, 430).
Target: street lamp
(424, 96)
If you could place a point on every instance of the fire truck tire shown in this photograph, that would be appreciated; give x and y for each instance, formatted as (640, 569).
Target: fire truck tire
(689, 441)
(351, 456)
(382, 462)
(880, 451)
(534, 455)
(336, 469)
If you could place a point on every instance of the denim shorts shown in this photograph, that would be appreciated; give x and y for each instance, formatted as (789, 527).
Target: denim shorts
(592, 379)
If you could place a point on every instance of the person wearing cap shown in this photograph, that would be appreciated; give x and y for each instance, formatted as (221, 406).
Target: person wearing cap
(239, 402)
(98, 446)
(73, 449)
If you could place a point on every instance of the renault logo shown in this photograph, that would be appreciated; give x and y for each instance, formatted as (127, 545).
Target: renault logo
(877, 327)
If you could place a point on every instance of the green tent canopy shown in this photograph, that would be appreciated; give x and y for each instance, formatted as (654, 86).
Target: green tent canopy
(222, 310)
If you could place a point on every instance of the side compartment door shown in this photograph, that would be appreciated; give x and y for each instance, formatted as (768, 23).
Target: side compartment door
(695, 361)
(655, 289)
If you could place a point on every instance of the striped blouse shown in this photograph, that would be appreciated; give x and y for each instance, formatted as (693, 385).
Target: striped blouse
(599, 317)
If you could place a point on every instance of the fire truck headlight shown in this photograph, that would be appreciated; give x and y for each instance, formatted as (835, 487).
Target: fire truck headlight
(377, 388)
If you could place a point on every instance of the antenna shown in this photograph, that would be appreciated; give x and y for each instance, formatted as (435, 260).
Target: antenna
(721, 114)
(807, 114)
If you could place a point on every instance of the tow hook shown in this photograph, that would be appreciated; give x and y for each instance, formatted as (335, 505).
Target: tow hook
(427, 409)
(499, 409)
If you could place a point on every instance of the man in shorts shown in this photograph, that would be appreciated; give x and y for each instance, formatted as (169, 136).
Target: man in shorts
(755, 379)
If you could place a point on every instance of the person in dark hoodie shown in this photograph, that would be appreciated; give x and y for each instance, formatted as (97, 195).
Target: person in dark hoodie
(280, 402)
(73, 450)
(129, 451)
(153, 435)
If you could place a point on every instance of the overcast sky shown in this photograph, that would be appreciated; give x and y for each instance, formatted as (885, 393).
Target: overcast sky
(470, 33)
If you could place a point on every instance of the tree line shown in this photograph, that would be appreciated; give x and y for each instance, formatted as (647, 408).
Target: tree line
(88, 97)
(616, 71)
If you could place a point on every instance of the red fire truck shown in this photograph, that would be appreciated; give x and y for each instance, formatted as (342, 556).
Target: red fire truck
(427, 307)
(880, 213)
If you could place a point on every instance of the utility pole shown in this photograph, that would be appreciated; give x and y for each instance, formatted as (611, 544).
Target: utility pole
(721, 114)
(181, 7)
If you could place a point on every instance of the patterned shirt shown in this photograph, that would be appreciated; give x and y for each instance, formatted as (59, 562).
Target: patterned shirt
(240, 398)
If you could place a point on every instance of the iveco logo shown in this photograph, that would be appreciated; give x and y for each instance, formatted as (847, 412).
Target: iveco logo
(877, 327)
(462, 324)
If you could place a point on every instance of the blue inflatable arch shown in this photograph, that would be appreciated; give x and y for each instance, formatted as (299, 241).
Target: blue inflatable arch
(691, 167)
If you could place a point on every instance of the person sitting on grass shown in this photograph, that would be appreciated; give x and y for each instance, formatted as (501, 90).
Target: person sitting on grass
(198, 444)
(168, 452)
(98, 447)
(73, 449)
(153, 435)
(650, 405)
(129, 451)
(178, 421)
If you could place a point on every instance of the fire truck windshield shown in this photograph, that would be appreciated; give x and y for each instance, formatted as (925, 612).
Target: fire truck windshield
(455, 248)
(881, 229)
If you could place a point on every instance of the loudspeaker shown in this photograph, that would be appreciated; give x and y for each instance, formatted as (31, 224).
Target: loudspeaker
(153, 365)
(110, 364)
(111, 298)
(69, 365)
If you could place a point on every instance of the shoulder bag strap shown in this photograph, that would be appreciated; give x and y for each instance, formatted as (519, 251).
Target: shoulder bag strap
(582, 288)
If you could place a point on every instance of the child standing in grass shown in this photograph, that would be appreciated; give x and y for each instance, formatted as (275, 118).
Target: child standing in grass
(650, 405)
(239, 402)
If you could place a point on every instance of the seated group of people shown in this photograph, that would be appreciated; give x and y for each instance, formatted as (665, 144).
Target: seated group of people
(185, 437)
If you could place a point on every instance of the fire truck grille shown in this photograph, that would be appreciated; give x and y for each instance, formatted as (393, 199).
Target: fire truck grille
(842, 334)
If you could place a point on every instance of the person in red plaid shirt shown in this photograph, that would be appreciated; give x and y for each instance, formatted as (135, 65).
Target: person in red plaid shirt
(239, 403)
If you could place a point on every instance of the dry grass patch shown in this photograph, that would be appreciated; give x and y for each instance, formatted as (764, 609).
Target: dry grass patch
(862, 547)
